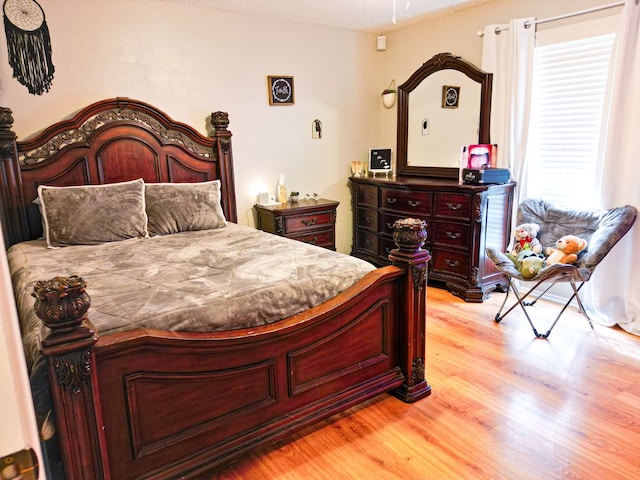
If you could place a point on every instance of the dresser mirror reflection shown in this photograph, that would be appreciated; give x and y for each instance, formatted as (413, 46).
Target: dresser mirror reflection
(432, 132)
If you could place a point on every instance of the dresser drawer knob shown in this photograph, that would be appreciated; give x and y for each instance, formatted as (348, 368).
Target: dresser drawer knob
(452, 263)
(456, 206)
(314, 241)
(392, 200)
(308, 223)
(368, 219)
(454, 235)
(414, 203)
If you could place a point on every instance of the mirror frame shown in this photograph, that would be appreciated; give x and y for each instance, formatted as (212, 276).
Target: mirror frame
(440, 61)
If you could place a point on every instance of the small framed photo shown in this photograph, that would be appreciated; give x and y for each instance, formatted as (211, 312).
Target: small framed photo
(482, 156)
(380, 160)
(280, 90)
(450, 96)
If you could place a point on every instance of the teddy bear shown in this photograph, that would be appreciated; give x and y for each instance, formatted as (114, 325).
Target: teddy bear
(525, 238)
(566, 250)
(528, 263)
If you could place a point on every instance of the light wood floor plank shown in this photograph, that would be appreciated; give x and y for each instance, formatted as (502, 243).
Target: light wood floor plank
(505, 405)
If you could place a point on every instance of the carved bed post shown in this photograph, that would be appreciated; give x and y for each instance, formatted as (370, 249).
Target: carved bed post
(409, 235)
(220, 123)
(62, 303)
(12, 214)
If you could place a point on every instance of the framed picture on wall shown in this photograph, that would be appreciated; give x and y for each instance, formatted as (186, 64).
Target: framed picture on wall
(280, 90)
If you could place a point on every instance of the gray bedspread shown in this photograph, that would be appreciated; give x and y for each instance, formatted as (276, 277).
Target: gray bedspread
(210, 280)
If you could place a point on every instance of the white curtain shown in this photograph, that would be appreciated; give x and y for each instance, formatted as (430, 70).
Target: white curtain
(509, 56)
(613, 295)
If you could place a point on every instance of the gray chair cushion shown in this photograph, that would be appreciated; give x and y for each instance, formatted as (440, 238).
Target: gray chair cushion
(601, 228)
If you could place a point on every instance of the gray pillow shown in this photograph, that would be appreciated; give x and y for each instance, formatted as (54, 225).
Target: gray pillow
(93, 214)
(182, 207)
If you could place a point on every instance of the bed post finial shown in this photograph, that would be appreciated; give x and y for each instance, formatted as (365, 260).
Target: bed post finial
(62, 303)
(12, 213)
(410, 235)
(220, 122)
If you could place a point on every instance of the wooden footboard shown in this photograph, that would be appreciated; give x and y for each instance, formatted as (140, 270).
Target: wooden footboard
(152, 404)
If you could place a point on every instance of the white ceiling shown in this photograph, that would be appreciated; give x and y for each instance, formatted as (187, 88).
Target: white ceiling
(366, 15)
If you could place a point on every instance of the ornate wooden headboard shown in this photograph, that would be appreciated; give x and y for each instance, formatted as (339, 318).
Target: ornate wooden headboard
(109, 141)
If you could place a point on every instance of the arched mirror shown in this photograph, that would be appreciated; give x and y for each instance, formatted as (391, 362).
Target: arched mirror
(444, 105)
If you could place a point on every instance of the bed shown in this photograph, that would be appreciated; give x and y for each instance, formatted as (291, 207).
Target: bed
(149, 399)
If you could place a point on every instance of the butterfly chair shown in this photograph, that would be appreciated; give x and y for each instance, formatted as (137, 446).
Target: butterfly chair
(601, 228)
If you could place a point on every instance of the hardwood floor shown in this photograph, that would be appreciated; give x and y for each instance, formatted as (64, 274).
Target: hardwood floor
(504, 406)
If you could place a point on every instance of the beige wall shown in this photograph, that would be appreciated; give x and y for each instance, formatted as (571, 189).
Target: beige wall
(192, 61)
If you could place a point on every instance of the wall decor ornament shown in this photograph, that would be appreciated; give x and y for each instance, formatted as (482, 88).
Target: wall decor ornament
(28, 44)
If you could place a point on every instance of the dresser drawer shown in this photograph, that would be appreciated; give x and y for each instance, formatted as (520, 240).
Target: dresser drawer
(367, 195)
(451, 234)
(450, 262)
(368, 219)
(406, 202)
(388, 219)
(308, 221)
(367, 242)
(453, 205)
(321, 238)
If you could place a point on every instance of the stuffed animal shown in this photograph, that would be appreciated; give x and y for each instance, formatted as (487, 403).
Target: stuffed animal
(528, 263)
(566, 250)
(525, 238)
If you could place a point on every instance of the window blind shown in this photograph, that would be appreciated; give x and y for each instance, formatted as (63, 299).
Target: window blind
(568, 97)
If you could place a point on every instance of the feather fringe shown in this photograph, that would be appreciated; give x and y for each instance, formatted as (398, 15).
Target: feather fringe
(30, 56)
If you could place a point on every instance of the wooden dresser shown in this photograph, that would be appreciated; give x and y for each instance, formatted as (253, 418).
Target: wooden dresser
(462, 221)
(309, 221)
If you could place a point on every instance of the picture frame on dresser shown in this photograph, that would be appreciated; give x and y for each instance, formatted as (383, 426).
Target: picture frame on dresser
(380, 160)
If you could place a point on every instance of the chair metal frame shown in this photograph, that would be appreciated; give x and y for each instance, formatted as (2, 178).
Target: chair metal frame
(521, 301)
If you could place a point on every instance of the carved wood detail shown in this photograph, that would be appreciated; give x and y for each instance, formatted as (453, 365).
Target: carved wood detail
(417, 371)
(92, 124)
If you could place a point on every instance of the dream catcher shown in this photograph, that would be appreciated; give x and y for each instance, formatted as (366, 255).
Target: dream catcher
(29, 44)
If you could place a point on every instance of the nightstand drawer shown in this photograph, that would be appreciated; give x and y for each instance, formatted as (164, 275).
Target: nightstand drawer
(309, 221)
(453, 205)
(321, 238)
(299, 223)
(406, 202)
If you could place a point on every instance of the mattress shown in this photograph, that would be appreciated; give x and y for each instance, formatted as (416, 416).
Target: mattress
(209, 280)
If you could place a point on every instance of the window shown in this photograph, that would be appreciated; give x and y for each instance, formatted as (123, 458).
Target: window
(570, 75)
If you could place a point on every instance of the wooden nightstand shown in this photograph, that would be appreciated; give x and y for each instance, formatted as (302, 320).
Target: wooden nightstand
(309, 221)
